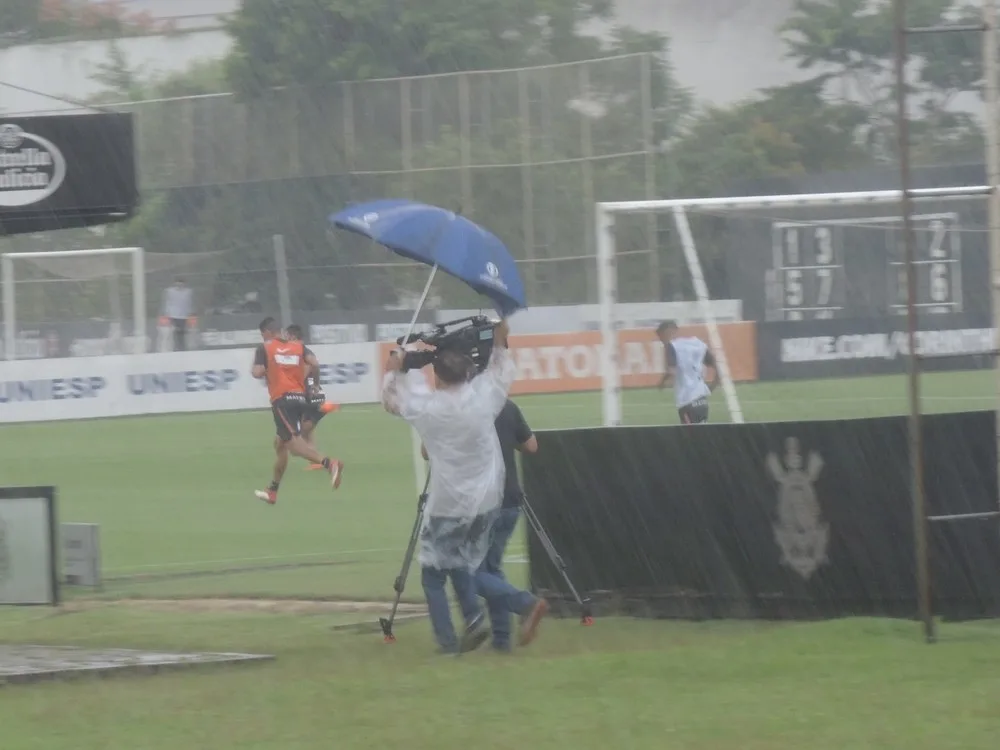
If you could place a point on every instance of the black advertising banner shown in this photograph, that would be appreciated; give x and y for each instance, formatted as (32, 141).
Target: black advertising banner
(65, 171)
(871, 346)
(766, 520)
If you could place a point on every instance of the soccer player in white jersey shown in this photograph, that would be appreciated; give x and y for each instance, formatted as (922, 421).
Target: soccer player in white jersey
(687, 358)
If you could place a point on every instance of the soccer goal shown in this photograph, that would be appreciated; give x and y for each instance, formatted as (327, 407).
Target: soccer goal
(92, 302)
(56, 297)
(789, 289)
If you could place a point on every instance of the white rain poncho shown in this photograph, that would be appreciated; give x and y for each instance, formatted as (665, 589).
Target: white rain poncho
(466, 465)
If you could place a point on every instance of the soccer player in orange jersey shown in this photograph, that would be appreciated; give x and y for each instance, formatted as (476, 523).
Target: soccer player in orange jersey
(286, 365)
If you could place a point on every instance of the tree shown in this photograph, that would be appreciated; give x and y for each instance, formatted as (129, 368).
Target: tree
(849, 45)
(313, 42)
(25, 21)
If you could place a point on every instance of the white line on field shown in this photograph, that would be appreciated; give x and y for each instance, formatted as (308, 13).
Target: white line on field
(266, 558)
(272, 558)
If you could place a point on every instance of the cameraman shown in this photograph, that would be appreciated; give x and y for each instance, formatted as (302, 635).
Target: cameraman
(502, 597)
(455, 423)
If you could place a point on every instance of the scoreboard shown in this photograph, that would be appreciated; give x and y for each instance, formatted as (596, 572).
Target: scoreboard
(850, 267)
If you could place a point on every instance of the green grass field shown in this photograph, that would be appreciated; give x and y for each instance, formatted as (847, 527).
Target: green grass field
(178, 520)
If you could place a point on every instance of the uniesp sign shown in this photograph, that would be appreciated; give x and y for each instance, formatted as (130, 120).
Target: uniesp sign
(31, 167)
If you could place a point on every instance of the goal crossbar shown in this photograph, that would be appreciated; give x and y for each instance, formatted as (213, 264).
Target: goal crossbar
(802, 200)
(8, 279)
(607, 272)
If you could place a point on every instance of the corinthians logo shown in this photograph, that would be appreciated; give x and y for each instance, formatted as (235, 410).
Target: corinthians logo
(800, 531)
(31, 167)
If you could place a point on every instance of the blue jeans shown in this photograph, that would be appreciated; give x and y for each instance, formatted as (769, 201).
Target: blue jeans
(434, 580)
(502, 598)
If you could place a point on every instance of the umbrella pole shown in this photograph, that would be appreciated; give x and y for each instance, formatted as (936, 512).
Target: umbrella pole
(420, 304)
(418, 462)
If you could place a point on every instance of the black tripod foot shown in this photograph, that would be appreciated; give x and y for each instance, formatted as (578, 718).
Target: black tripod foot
(386, 626)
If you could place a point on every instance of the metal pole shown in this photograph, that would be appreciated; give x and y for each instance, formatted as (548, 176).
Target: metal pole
(9, 309)
(281, 272)
(992, 100)
(919, 501)
(139, 299)
(465, 126)
(527, 181)
(587, 170)
(648, 135)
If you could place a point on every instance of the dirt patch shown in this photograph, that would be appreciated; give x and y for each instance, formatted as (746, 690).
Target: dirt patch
(273, 606)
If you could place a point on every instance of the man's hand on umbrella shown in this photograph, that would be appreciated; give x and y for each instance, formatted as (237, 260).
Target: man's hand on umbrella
(500, 333)
(395, 363)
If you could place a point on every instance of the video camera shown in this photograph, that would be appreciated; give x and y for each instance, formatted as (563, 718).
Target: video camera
(473, 337)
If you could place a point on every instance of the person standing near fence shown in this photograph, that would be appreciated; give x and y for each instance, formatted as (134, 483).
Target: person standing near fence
(178, 304)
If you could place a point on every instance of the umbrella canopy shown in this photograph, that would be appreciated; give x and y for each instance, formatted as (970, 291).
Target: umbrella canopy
(443, 239)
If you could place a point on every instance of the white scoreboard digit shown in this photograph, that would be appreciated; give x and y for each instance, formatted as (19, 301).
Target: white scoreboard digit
(938, 261)
(807, 279)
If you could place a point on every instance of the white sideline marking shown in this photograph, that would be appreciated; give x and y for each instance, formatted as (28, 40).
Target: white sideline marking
(230, 560)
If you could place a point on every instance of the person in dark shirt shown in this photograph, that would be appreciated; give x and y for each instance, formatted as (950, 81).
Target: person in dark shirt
(502, 597)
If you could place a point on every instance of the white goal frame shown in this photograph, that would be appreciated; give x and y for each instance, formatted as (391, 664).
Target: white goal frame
(607, 271)
(8, 281)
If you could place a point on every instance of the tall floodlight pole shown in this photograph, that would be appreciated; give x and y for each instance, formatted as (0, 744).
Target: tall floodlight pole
(919, 500)
(992, 120)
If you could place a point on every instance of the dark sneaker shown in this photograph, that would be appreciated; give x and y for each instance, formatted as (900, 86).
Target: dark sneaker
(475, 635)
(529, 625)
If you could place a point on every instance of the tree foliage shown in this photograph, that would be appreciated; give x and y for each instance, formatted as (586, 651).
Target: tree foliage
(24, 21)
(315, 42)
(849, 45)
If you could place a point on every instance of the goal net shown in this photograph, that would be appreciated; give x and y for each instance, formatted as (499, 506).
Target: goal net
(93, 302)
(802, 300)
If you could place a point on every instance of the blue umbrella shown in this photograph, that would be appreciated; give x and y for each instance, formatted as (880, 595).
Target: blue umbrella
(440, 239)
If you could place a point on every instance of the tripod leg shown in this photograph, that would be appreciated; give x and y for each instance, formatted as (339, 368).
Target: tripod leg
(400, 583)
(586, 613)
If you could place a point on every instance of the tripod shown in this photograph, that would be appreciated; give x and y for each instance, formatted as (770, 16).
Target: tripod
(586, 613)
(400, 583)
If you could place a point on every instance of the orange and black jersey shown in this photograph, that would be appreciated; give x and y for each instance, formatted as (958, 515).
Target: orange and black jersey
(285, 367)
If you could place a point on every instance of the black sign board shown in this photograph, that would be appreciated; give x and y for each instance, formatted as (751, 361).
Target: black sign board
(792, 520)
(66, 171)
(871, 346)
(842, 261)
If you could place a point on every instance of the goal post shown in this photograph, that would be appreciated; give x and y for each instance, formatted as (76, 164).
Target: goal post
(74, 266)
(680, 209)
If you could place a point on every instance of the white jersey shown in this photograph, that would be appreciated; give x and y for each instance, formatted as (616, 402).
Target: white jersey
(687, 356)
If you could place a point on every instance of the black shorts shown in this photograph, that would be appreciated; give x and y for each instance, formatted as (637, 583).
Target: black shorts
(313, 413)
(289, 412)
(694, 413)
